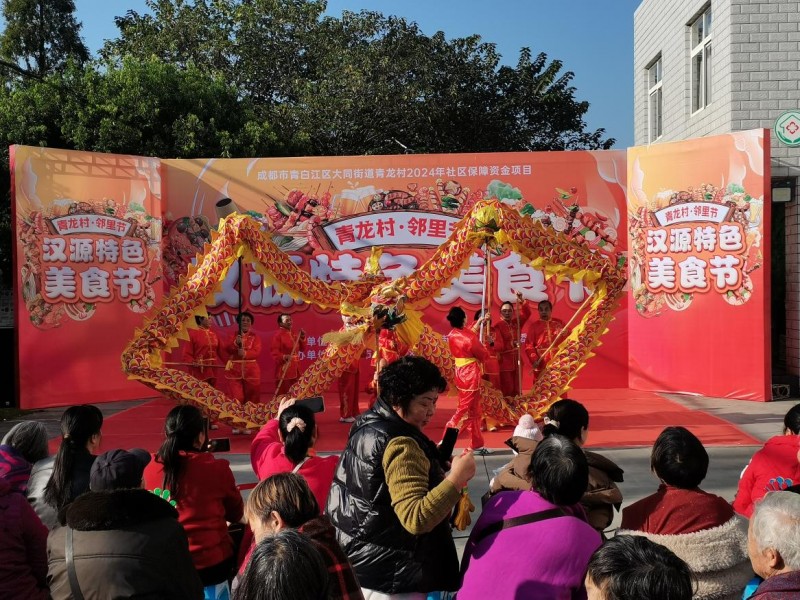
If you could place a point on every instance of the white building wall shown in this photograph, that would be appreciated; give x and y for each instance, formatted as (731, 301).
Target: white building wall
(756, 77)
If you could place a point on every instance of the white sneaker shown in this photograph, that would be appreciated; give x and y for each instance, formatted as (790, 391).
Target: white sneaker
(347, 420)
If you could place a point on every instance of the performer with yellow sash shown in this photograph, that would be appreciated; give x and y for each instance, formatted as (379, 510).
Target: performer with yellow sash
(469, 355)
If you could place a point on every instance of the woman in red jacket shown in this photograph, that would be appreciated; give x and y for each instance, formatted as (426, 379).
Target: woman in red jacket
(773, 467)
(204, 490)
(285, 445)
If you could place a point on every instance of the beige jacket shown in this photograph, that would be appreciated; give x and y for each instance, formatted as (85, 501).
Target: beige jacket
(602, 494)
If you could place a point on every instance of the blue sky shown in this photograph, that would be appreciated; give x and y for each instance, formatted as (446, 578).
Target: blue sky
(593, 38)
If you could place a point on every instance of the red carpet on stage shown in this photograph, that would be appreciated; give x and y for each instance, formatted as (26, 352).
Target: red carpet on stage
(618, 418)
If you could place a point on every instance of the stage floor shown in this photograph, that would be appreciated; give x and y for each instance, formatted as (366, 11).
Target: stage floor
(619, 418)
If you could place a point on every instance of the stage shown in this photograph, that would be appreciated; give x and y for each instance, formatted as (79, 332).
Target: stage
(619, 418)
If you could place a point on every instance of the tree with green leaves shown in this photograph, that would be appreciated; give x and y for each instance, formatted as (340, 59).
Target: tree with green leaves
(238, 78)
(40, 37)
(364, 83)
(152, 108)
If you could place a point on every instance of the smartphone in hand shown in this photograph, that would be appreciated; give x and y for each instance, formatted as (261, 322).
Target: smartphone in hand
(315, 404)
(218, 445)
(448, 444)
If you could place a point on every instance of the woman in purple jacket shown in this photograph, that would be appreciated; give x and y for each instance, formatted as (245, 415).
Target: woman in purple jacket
(500, 560)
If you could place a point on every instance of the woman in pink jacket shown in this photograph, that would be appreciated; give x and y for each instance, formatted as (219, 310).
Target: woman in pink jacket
(773, 467)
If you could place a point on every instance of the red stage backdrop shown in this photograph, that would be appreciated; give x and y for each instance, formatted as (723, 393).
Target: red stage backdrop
(91, 261)
(328, 212)
(80, 301)
(88, 269)
(699, 218)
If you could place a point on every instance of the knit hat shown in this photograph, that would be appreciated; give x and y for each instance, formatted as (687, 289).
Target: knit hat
(118, 469)
(527, 428)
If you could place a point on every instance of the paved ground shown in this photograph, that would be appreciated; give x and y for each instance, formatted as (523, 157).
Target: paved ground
(759, 419)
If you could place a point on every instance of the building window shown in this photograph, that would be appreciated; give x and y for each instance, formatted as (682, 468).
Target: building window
(701, 61)
(654, 101)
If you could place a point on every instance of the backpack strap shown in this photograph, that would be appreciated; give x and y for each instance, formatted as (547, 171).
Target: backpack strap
(300, 464)
(74, 586)
(550, 513)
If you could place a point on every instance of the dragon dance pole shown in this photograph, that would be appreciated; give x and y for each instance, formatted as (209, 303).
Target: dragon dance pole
(519, 350)
(485, 290)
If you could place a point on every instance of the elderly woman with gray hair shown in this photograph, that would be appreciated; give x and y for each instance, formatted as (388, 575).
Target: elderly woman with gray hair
(23, 445)
(773, 544)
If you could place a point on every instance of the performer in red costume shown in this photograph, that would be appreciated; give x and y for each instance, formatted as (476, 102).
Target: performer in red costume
(285, 346)
(390, 349)
(544, 336)
(469, 356)
(202, 352)
(348, 382)
(243, 373)
(508, 329)
(493, 343)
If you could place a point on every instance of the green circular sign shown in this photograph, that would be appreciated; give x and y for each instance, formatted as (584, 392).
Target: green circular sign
(787, 128)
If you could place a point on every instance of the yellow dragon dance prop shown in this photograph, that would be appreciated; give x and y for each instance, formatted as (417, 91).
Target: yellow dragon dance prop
(545, 249)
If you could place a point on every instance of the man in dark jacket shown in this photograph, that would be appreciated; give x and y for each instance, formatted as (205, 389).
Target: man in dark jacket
(126, 541)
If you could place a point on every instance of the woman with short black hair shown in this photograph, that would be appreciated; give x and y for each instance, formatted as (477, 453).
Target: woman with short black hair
(285, 566)
(629, 567)
(390, 500)
(700, 528)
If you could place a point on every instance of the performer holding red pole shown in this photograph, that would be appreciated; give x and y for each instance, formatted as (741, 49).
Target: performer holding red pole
(349, 381)
(202, 352)
(493, 343)
(544, 336)
(510, 358)
(469, 356)
(285, 346)
(243, 373)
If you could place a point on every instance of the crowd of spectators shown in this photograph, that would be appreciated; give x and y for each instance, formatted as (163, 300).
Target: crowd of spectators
(376, 522)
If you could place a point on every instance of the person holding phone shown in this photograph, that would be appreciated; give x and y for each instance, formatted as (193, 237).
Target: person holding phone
(469, 356)
(204, 491)
(286, 445)
(391, 500)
